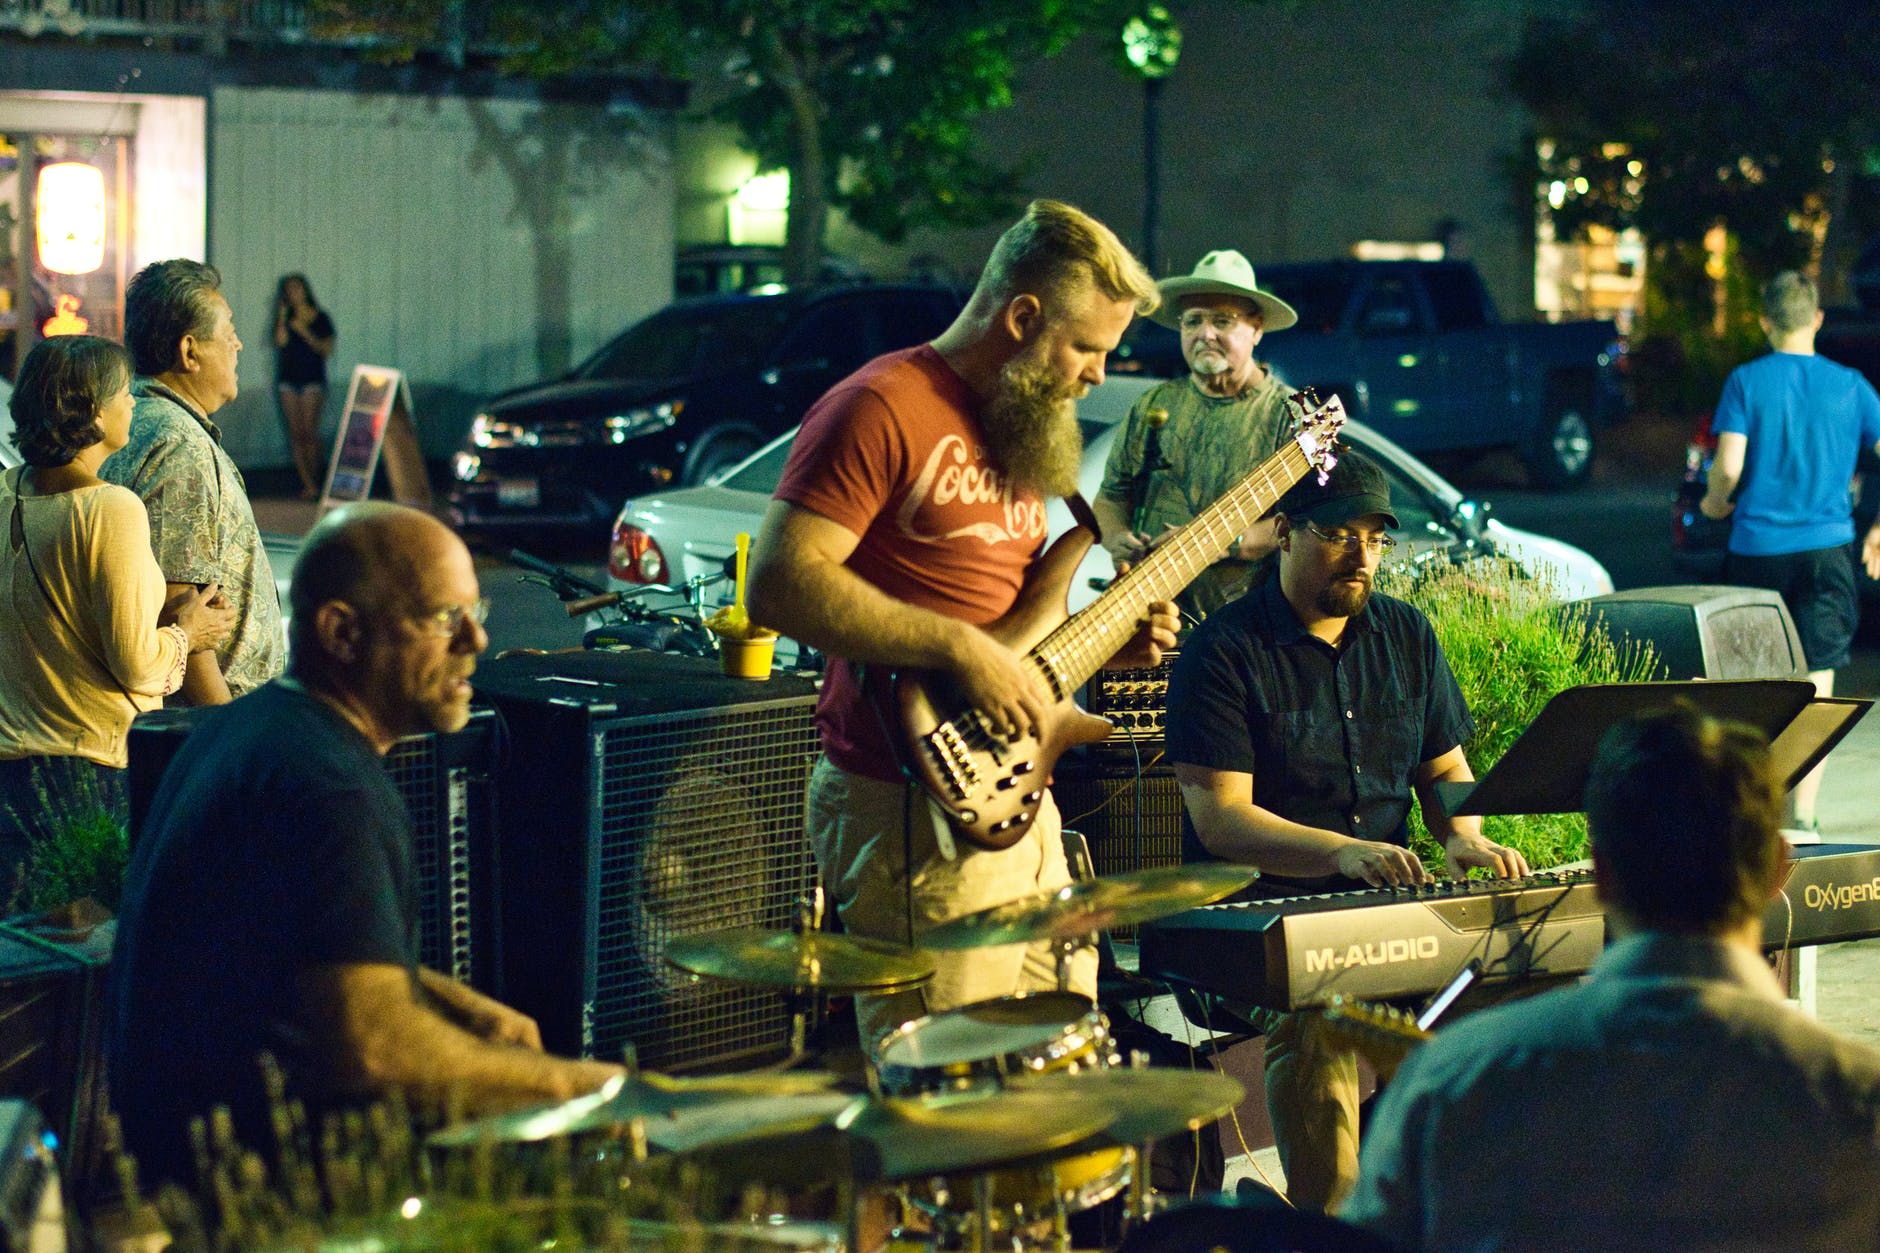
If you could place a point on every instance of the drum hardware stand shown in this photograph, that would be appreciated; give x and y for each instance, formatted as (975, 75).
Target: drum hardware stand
(1140, 1206)
(809, 919)
(635, 1126)
(1064, 951)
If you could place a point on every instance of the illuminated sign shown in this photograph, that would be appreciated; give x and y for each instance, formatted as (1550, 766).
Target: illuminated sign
(69, 217)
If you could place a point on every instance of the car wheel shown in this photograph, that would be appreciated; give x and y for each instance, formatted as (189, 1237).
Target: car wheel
(1561, 452)
(717, 449)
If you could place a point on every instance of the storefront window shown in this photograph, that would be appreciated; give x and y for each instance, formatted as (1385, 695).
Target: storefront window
(35, 301)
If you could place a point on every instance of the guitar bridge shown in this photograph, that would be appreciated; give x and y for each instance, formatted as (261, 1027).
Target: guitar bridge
(952, 760)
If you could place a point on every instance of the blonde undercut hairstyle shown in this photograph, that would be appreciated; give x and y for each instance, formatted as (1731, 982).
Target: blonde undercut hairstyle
(1055, 251)
(1790, 301)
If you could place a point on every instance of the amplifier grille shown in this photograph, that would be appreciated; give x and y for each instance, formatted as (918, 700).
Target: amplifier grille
(1131, 822)
(437, 798)
(701, 827)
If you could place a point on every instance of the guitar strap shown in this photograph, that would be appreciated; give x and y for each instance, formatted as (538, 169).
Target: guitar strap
(1083, 515)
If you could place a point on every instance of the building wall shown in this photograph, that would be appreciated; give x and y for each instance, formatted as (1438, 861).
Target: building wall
(169, 189)
(1293, 131)
(477, 244)
(1289, 131)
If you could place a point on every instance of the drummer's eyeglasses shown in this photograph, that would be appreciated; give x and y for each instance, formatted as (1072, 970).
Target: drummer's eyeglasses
(448, 621)
(1195, 320)
(1373, 544)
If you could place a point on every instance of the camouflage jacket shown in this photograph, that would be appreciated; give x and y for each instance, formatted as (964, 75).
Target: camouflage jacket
(1207, 446)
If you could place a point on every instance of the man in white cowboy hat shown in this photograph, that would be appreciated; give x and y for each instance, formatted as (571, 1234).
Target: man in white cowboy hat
(1205, 431)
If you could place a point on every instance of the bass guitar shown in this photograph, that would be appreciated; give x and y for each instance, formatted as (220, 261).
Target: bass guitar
(990, 786)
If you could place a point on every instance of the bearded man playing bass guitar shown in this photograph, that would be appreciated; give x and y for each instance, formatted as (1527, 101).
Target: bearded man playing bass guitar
(909, 515)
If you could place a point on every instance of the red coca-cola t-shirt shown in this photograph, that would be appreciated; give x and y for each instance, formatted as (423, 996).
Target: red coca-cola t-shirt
(894, 453)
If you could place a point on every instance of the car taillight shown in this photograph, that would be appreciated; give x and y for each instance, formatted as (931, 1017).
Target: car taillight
(633, 557)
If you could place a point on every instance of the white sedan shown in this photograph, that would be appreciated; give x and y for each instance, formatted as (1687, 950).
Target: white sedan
(689, 533)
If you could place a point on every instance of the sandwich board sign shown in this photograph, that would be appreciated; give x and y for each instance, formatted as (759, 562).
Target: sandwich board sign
(377, 418)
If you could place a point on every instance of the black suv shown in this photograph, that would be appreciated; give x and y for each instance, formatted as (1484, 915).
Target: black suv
(689, 391)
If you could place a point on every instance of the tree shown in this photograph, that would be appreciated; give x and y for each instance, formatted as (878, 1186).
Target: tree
(1681, 114)
(868, 104)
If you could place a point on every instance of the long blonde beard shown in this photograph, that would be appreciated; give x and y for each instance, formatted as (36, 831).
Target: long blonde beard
(1031, 427)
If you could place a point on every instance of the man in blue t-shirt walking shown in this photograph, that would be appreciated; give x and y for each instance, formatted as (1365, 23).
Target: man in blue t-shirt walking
(1789, 428)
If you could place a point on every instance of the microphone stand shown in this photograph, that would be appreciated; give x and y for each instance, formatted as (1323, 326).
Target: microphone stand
(1152, 460)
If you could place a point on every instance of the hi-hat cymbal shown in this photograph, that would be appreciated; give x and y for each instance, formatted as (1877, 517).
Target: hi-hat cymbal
(810, 961)
(1145, 1103)
(1094, 905)
(914, 1138)
(670, 1108)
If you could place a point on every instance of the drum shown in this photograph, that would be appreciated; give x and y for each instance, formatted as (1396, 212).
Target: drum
(971, 1049)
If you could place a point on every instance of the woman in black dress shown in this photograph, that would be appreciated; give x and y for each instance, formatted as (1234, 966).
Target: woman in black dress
(303, 340)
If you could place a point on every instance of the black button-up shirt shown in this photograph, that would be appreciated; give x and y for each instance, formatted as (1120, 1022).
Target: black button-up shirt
(1331, 736)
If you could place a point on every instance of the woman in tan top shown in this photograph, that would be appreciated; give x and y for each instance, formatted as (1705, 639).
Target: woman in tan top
(86, 641)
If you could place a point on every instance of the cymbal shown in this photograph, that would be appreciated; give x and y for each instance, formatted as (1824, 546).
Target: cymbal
(810, 961)
(669, 1107)
(913, 1138)
(1145, 1103)
(1094, 905)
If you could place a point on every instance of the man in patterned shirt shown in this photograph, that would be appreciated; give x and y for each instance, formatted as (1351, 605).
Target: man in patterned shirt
(1224, 419)
(181, 334)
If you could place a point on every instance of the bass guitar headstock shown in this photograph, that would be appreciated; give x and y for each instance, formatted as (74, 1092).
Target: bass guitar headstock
(1316, 423)
(1383, 1034)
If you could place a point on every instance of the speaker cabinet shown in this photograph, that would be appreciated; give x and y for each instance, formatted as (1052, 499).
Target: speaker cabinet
(646, 796)
(1132, 822)
(445, 781)
(1704, 631)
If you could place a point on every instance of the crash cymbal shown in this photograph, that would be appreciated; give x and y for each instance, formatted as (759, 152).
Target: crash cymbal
(937, 1135)
(667, 1105)
(808, 961)
(1145, 1103)
(1094, 905)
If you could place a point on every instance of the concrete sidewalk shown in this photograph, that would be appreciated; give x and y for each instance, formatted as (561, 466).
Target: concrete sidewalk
(1848, 975)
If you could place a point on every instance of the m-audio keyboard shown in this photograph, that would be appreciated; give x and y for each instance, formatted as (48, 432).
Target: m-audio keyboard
(1395, 943)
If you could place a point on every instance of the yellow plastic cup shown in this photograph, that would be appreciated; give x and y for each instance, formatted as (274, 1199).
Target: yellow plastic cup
(747, 659)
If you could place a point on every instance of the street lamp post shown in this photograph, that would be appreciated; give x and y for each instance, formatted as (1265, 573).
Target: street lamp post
(1152, 44)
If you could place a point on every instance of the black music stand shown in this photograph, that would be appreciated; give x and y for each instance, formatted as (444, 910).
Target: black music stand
(1544, 772)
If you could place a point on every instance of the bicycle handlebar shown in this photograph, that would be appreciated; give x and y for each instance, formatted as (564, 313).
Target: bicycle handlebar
(558, 575)
(588, 604)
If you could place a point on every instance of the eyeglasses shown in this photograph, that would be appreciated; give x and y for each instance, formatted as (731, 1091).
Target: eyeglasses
(1195, 320)
(447, 622)
(1374, 544)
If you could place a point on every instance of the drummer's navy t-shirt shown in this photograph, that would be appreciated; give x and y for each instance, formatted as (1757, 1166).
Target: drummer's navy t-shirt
(276, 840)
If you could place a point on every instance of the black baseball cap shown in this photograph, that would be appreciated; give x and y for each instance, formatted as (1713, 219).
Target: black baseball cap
(1355, 489)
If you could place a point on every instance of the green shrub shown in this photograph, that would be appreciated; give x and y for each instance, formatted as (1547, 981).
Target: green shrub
(1512, 645)
(77, 846)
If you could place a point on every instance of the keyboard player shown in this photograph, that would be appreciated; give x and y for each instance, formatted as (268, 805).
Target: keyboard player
(1301, 719)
